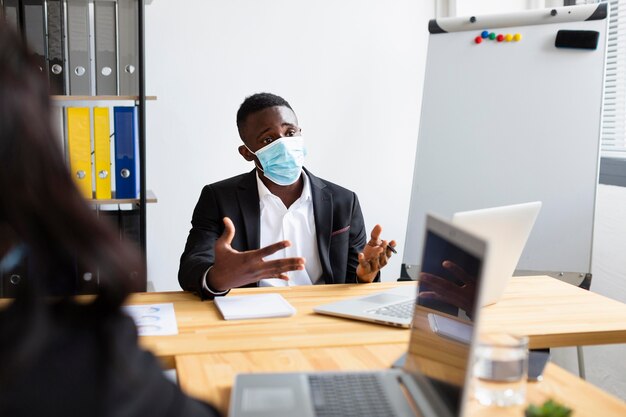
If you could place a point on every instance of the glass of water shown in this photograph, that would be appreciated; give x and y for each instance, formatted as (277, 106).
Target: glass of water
(500, 370)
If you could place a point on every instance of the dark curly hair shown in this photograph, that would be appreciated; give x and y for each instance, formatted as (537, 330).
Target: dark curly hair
(258, 102)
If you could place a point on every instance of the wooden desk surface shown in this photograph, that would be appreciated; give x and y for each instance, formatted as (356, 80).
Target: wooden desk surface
(555, 314)
(550, 312)
(210, 377)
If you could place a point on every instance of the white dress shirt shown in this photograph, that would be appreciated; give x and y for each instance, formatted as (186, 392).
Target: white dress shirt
(295, 224)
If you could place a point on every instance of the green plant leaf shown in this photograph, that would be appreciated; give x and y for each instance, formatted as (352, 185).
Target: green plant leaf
(550, 408)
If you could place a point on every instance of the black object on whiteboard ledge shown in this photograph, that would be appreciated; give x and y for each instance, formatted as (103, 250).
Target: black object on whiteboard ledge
(577, 39)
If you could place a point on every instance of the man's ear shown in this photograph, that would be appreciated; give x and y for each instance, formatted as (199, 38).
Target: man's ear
(247, 155)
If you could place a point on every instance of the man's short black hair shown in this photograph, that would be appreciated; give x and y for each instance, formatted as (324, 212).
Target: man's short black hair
(258, 102)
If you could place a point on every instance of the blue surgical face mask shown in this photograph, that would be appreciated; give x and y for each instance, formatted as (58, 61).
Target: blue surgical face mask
(282, 160)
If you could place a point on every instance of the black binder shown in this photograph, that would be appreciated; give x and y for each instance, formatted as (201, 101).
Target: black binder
(86, 280)
(126, 222)
(55, 51)
(129, 226)
(11, 280)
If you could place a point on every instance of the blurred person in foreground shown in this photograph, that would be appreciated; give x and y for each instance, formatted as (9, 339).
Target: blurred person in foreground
(60, 356)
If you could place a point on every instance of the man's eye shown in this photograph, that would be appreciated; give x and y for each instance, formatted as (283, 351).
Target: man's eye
(267, 140)
(291, 133)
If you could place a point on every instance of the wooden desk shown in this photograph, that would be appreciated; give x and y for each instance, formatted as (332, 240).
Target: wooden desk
(555, 314)
(210, 377)
(550, 312)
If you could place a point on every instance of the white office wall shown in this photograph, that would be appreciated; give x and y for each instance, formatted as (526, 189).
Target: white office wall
(351, 69)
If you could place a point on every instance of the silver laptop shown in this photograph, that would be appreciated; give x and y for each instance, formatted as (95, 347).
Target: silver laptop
(506, 229)
(434, 379)
(393, 307)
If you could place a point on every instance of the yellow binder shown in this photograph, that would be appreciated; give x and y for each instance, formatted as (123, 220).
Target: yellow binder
(79, 148)
(102, 151)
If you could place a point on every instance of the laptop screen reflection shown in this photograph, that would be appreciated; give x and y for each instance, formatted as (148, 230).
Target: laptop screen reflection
(439, 349)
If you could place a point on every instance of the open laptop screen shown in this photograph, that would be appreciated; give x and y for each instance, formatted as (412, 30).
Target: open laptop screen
(445, 311)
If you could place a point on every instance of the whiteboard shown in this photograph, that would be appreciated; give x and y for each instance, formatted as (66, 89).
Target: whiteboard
(513, 122)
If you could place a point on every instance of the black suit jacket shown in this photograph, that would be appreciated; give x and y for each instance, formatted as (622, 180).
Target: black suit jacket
(339, 227)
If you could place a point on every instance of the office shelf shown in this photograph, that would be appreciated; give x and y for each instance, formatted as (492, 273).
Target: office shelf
(130, 221)
(150, 198)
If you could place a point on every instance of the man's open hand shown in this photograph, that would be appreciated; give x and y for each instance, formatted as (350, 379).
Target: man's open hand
(235, 269)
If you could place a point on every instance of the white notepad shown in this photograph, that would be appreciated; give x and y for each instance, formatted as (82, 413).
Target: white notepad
(258, 306)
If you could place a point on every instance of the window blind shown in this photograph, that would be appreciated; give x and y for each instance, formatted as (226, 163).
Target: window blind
(614, 118)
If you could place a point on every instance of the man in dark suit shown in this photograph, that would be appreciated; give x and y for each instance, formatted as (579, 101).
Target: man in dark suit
(309, 230)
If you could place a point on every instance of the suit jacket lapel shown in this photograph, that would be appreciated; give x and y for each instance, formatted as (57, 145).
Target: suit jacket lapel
(323, 212)
(248, 196)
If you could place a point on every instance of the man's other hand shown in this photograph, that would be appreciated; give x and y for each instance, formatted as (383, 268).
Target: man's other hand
(375, 255)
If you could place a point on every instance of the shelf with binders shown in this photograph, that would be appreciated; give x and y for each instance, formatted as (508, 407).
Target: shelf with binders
(85, 47)
(93, 55)
(101, 144)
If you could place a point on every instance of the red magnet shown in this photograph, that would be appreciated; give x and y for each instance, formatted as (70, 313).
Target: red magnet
(500, 38)
(478, 39)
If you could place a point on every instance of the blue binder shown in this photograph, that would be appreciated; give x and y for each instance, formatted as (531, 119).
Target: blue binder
(126, 152)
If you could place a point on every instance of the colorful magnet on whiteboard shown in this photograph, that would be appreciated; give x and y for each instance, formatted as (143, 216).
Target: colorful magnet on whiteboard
(478, 39)
(508, 37)
(492, 36)
(500, 38)
(517, 37)
(484, 34)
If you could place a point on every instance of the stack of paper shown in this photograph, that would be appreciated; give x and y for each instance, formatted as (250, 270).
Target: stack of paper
(258, 306)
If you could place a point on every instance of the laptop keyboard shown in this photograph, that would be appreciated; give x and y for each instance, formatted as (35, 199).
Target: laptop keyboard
(349, 395)
(401, 310)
